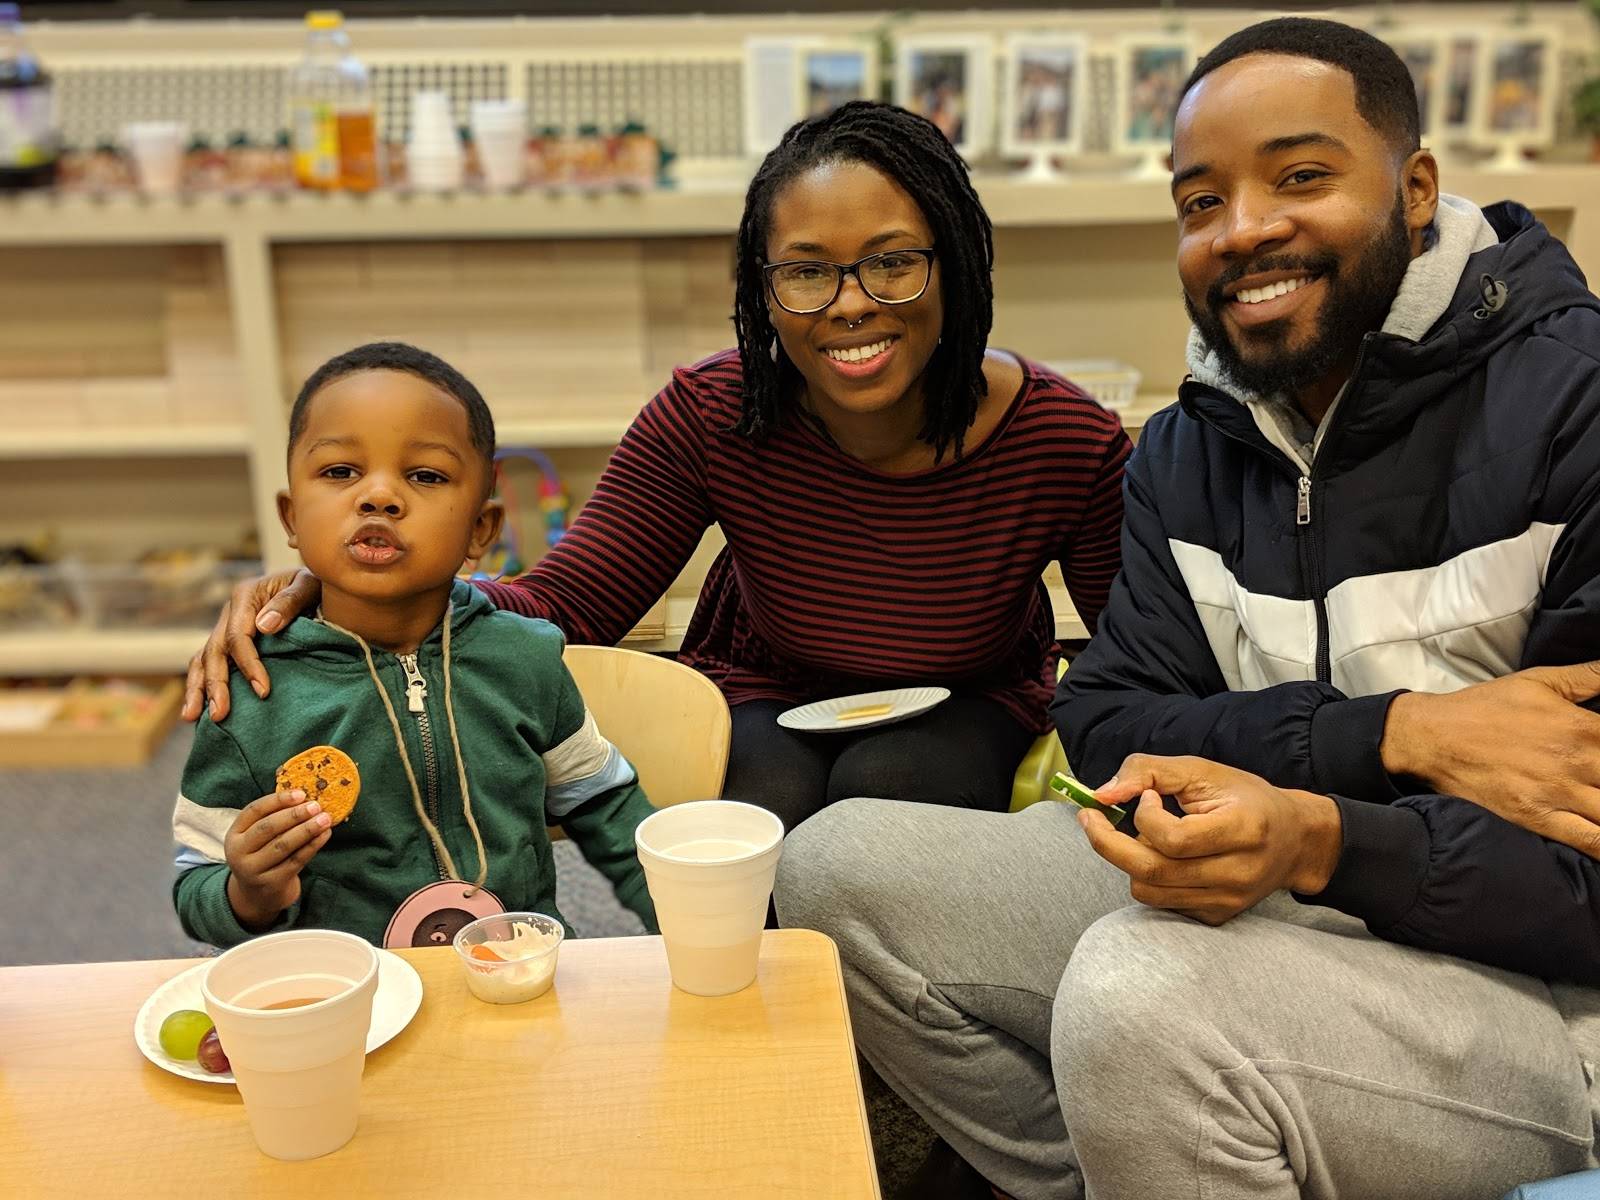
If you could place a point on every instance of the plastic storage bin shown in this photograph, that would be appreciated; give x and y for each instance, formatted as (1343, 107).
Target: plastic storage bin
(167, 594)
(1109, 382)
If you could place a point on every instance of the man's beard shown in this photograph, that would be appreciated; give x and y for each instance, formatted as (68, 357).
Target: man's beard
(1357, 302)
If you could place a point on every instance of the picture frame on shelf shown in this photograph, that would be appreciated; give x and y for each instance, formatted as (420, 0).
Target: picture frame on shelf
(1044, 97)
(1460, 86)
(772, 89)
(834, 73)
(1518, 86)
(1149, 74)
(1424, 54)
(949, 80)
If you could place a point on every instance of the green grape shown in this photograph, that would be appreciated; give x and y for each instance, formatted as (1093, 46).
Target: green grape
(182, 1031)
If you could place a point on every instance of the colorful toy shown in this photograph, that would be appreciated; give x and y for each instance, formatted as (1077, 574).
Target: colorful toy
(508, 556)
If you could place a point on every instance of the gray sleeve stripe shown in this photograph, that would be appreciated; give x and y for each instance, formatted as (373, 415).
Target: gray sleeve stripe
(200, 831)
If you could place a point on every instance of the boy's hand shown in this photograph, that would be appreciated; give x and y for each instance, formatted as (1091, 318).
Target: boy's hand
(270, 842)
(265, 605)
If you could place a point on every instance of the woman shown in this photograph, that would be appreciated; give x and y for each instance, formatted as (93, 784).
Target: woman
(889, 488)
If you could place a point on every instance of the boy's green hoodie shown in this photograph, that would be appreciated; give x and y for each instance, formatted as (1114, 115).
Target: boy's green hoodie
(533, 756)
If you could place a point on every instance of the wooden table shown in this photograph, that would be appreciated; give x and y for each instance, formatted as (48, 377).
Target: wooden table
(613, 1084)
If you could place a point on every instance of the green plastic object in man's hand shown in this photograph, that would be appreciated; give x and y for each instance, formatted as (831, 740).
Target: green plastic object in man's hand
(1066, 787)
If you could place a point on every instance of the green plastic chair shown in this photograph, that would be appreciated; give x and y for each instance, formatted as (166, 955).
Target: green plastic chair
(1044, 758)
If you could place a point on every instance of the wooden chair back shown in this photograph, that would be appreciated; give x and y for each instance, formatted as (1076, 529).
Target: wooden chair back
(668, 720)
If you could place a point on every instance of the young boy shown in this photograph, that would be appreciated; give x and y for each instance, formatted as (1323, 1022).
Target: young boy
(466, 732)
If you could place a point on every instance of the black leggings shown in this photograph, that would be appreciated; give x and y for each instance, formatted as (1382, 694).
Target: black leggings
(961, 753)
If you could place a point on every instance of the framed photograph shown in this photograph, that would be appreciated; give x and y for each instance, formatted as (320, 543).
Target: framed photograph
(771, 90)
(1150, 76)
(949, 80)
(1424, 55)
(1458, 100)
(1044, 94)
(1519, 86)
(834, 74)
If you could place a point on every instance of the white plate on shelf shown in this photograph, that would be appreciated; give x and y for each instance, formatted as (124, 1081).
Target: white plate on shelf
(396, 1001)
(846, 714)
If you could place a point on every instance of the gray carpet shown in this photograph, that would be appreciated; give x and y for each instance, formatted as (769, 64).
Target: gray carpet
(86, 876)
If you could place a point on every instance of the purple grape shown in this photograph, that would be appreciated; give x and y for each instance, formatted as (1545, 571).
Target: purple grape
(210, 1053)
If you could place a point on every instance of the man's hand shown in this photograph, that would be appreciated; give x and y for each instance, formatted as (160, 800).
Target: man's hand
(269, 843)
(1519, 746)
(265, 604)
(1241, 838)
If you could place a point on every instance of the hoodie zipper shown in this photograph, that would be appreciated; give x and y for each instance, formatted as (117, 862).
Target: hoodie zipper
(416, 694)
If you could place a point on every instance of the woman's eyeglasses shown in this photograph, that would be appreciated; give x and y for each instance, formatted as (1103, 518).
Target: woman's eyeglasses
(889, 277)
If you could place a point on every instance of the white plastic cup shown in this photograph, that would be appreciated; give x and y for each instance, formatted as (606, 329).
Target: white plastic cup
(432, 109)
(435, 170)
(500, 132)
(432, 120)
(298, 1069)
(156, 148)
(434, 158)
(709, 866)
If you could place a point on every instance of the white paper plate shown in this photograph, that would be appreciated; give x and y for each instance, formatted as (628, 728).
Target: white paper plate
(832, 716)
(396, 1001)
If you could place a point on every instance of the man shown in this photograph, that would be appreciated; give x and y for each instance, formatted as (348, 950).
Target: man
(1361, 585)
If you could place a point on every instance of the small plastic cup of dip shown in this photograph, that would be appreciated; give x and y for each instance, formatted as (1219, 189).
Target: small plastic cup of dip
(510, 957)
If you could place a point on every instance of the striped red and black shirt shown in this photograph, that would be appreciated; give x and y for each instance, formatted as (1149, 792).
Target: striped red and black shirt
(838, 578)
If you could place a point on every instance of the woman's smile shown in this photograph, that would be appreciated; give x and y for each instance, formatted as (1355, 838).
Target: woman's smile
(862, 362)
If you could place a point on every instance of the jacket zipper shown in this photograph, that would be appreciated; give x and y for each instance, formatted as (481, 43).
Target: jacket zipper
(1310, 566)
(1312, 550)
(416, 694)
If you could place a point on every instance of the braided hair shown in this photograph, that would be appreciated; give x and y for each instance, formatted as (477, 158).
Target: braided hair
(912, 152)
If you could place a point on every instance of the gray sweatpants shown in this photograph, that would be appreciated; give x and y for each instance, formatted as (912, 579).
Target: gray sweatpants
(1002, 982)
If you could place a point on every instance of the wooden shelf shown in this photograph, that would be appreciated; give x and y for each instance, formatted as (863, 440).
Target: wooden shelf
(125, 442)
(547, 435)
(607, 431)
(689, 210)
(1145, 405)
(99, 652)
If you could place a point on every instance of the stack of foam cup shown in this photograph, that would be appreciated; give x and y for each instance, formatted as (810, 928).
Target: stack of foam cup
(500, 132)
(433, 155)
(156, 148)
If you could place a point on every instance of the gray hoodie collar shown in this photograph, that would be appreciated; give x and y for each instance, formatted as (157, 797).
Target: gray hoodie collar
(1460, 231)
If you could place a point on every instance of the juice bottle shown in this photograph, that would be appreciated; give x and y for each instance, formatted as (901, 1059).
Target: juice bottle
(29, 143)
(636, 157)
(331, 113)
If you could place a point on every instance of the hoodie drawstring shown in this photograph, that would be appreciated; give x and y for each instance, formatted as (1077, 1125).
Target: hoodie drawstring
(405, 758)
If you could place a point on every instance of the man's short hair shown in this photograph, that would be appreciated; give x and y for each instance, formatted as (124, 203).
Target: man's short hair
(1386, 97)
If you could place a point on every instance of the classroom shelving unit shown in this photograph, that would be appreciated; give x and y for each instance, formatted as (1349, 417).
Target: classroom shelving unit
(151, 347)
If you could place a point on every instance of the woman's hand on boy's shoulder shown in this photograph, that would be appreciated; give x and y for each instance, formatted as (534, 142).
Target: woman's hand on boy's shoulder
(264, 604)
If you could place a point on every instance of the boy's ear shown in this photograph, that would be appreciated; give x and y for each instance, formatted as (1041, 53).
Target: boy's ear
(486, 528)
(286, 517)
